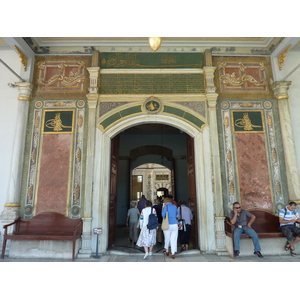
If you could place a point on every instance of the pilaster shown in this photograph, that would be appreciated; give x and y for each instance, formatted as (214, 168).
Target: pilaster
(12, 206)
(220, 236)
(92, 97)
(280, 89)
(211, 97)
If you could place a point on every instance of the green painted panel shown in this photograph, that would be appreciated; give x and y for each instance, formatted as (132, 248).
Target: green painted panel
(124, 60)
(113, 118)
(116, 84)
(174, 111)
(130, 111)
(138, 109)
(183, 114)
(121, 114)
(193, 119)
(247, 121)
(58, 121)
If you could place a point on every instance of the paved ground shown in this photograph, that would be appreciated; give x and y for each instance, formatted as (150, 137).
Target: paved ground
(188, 256)
(124, 251)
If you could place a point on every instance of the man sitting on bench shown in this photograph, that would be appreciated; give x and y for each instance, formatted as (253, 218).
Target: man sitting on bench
(288, 217)
(238, 217)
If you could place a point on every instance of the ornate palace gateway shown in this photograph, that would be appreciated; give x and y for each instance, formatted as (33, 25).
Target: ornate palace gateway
(210, 129)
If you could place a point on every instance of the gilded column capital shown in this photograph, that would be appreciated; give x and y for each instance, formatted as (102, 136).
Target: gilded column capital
(209, 77)
(92, 100)
(94, 79)
(280, 89)
(212, 99)
(25, 89)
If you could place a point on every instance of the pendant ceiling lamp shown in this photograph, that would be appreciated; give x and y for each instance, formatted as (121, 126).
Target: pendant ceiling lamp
(154, 43)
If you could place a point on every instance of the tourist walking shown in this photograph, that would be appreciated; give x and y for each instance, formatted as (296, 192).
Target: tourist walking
(171, 234)
(133, 215)
(185, 213)
(147, 238)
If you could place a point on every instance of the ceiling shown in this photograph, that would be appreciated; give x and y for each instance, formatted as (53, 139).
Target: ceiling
(250, 46)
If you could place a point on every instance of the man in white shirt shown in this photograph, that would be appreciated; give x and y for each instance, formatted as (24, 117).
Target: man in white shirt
(288, 217)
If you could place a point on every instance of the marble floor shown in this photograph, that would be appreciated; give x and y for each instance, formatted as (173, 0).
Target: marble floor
(124, 251)
(122, 243)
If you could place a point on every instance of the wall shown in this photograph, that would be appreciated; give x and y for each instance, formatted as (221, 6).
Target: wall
(292, 60)
(8, 117)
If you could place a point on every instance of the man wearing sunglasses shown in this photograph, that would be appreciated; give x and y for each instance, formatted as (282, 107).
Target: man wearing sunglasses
(239, 218)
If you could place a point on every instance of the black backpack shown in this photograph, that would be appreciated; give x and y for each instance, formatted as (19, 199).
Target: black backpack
(152, 221)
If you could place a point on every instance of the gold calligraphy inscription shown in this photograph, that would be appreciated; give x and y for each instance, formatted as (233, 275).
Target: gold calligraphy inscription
(67, 75)
(56, 123)
(242, 76)
(245, 123)
(162, 177)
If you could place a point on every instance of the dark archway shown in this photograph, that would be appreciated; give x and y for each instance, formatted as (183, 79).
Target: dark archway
(143, 144)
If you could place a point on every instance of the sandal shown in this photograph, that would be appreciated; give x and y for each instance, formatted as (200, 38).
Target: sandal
(287, 246)
(166, 252)
(292, 251)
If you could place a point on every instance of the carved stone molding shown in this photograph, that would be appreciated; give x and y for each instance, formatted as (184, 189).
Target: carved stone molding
(282, 56)
(94, 79)
(25, 89)
(280, 89)
(23, 58)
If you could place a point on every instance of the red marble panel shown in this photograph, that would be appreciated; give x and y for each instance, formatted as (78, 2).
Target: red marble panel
(54, 169)
(253, 172)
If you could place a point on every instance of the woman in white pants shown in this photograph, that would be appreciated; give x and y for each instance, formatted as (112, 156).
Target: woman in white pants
(171, 234)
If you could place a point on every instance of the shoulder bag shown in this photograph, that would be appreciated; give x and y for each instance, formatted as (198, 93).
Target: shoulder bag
(181, 222)
(165, 221)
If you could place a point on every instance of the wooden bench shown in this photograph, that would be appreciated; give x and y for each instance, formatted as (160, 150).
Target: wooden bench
(266, 225)
(45, 226)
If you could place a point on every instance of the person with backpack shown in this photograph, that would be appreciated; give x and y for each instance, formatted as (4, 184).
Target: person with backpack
(288, 216)
(148, 225)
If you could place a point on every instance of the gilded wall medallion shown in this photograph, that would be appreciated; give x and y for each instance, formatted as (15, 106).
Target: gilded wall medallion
(152, 105)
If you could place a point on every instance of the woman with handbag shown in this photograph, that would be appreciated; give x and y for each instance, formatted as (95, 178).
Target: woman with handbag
(185, 234)
(169, 214)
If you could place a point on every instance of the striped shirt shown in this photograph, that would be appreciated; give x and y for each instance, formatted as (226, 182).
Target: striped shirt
(289, 215)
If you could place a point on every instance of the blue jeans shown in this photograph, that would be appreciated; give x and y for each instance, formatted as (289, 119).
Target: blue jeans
(251, 232)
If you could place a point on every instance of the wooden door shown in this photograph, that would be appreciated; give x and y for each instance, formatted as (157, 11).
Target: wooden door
(173, 180)
(192, 190)
(112, 217)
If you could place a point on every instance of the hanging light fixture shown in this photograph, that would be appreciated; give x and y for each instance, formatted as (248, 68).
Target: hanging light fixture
(154, 43)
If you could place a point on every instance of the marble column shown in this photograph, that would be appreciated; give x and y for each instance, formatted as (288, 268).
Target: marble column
(280, 89)
(92, 97)
(211, 97)
(12, 206)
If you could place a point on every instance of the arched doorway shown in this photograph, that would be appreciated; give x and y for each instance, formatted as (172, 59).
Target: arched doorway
(203, 184)
(162, 192)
